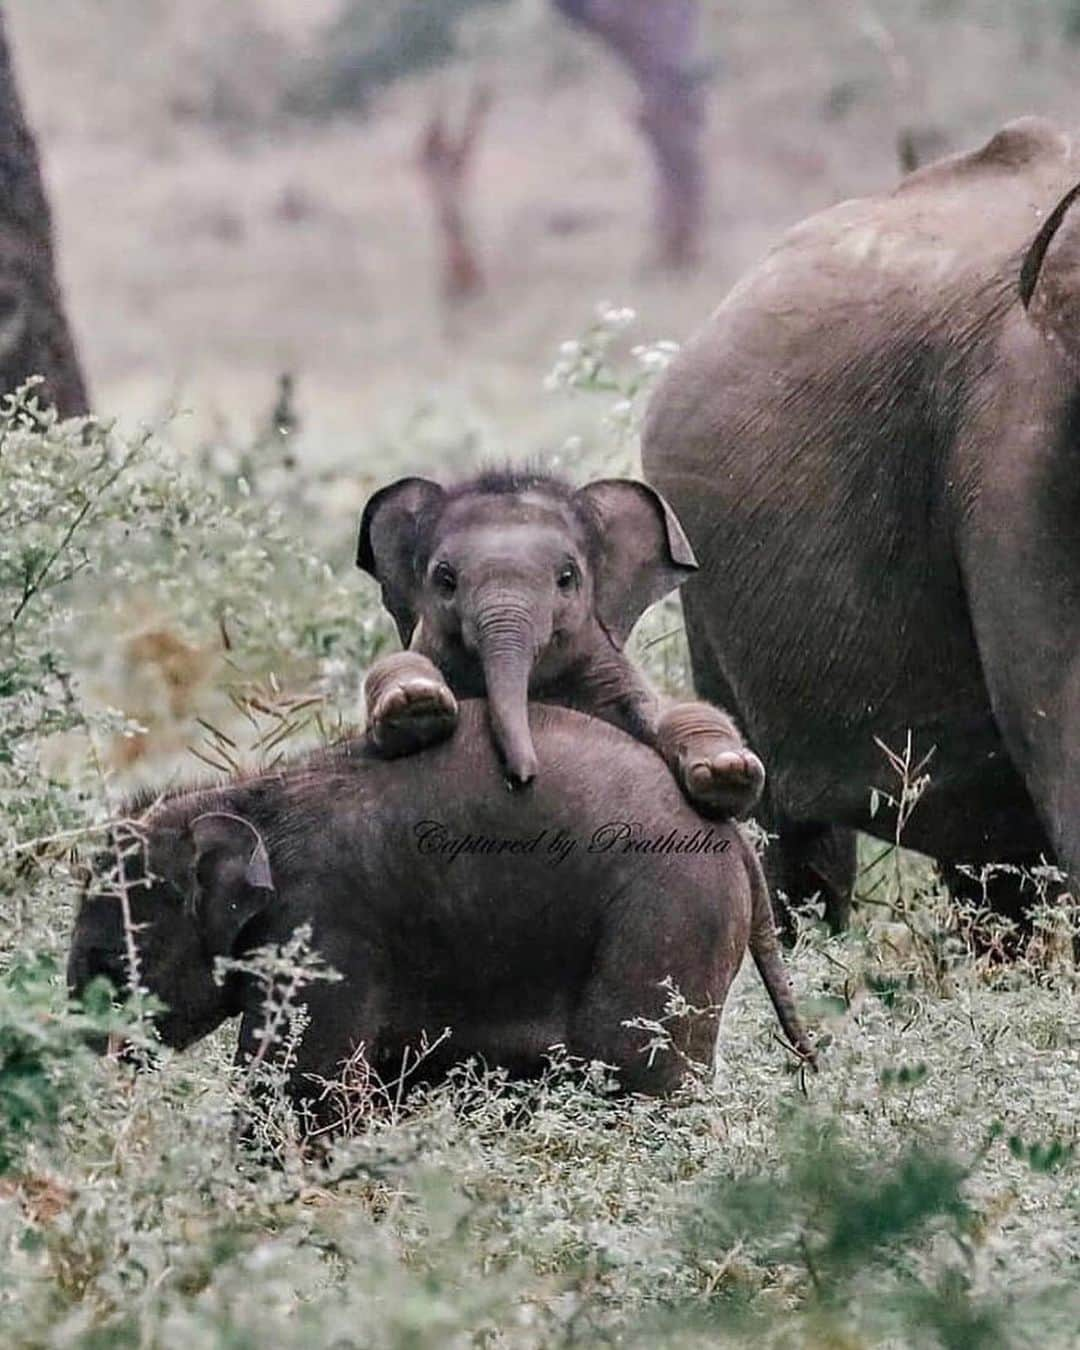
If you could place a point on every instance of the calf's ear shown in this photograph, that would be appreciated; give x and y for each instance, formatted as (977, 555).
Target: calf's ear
(389, 541)
(1050, 277)
(643, 551)
(232, 881)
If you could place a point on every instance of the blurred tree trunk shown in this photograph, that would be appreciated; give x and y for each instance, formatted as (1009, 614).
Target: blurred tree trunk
(657, 41)
(34, 334)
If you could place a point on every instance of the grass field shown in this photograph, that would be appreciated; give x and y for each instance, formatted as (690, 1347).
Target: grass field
(184, 595)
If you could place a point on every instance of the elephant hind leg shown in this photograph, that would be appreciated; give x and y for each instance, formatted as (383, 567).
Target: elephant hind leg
(600, 1032)
(807, 861)
(627, 985)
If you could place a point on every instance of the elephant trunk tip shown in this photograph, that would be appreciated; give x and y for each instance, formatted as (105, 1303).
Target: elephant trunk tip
(521, 768)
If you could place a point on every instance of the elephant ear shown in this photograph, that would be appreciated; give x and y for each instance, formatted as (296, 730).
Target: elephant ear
(643, 551)
(388, 545)
(1050, 277)
(232, 879)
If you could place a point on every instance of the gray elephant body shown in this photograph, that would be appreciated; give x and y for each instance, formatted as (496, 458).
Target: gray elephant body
(513, 942)
(872, 447)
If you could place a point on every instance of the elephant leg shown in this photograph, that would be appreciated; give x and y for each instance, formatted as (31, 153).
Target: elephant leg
(720, 776)
(808, 860)
(326, 1077)
(598, 1032)
(409, 704)
(701, 741)
(995, 872)
(709, 759)
(624, 987)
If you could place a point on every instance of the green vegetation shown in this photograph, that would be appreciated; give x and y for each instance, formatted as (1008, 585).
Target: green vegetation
(921, 1190)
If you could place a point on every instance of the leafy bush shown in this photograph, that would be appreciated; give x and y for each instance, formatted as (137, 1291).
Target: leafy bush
(100, 533)
(45, 1052)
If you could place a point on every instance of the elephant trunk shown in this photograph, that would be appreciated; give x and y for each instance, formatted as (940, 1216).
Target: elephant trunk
(507, 642)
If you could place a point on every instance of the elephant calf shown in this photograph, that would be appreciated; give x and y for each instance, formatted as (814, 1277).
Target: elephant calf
(519, 922)
(513, 586)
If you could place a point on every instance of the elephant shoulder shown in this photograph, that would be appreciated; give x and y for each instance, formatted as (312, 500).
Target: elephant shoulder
(951, 224)
(936, 221)
(1019, 147)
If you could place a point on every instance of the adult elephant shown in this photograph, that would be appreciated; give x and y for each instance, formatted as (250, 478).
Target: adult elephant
(874, 447)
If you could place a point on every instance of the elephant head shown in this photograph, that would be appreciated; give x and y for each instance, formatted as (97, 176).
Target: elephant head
(512, 579)
(190, 895)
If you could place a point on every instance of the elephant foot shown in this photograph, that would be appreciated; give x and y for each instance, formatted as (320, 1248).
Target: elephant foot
(808, 861)
(412, 713)
(719, 775)
(718, 780)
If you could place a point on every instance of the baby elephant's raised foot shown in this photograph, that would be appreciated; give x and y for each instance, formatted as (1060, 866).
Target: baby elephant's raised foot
(721, 782)
(720, 776)
(409, 707)
(411, 715)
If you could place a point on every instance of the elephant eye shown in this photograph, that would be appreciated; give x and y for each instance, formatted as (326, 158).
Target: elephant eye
(567, 578)
(445, 578)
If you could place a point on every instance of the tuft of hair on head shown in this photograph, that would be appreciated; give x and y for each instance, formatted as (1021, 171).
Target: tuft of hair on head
(509, 479)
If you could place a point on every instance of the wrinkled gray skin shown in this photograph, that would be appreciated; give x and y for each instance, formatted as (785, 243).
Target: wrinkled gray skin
(874, 447)
(513, 952)
(518, 586)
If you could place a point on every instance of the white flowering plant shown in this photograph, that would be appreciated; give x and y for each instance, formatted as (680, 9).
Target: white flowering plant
(591, 364)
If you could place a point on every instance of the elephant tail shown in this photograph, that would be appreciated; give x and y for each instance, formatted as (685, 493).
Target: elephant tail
(765, 949)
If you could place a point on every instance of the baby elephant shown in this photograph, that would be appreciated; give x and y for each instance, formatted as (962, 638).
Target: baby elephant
(517, 921)
(517, 586)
